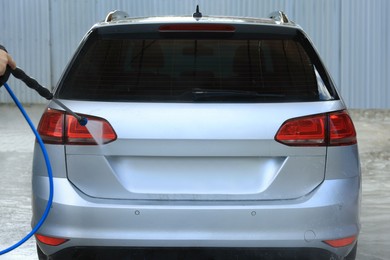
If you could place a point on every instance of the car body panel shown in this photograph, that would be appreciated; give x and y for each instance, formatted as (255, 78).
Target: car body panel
(138, 223)
(199, 174)
(196, 151)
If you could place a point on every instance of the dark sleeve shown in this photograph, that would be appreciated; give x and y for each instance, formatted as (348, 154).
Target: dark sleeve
(4, 78)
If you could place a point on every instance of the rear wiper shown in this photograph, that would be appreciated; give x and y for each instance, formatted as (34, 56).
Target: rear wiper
(207, 93)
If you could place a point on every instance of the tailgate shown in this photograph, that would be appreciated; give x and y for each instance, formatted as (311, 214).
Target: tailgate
(196, 152)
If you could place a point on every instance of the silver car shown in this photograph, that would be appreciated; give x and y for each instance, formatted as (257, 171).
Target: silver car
(206, 137)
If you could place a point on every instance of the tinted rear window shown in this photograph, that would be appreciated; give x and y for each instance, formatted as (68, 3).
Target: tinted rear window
(193, 70)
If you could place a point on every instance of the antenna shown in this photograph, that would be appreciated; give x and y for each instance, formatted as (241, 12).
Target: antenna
(197, 14)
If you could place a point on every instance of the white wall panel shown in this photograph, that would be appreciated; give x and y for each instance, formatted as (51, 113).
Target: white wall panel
(350, 35)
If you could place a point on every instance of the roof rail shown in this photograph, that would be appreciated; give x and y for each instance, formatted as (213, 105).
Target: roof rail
(115, 16)
(279, 16)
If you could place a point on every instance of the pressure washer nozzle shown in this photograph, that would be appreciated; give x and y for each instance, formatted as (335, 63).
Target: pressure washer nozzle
(83, 121)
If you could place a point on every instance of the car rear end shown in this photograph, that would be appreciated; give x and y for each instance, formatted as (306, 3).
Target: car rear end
(210, 133)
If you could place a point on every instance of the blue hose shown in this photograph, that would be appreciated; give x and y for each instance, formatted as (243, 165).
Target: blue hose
(49, 172)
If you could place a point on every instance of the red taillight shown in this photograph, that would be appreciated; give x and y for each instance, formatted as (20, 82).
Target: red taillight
(51, 241)
(197, 27)
(341, 242)
(96, 131)
(341, 129)
(331, 129)
(306, 131)
(57, 127)
(51, 127)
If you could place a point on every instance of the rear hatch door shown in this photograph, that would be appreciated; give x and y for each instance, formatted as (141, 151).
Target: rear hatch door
(196, 152)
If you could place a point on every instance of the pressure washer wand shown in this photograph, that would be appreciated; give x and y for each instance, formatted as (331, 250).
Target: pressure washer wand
(42, 91)
(32, 83)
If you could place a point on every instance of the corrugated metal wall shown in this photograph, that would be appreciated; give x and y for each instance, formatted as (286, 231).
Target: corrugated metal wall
(365, 56)
(351, 36)
(24, 27)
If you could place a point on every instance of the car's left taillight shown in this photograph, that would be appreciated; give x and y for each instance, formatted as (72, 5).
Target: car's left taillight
(58, 127)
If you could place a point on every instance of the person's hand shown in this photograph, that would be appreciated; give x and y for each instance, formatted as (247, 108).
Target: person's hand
(6, 59)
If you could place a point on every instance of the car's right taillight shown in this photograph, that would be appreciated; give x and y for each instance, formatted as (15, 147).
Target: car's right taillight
(58, 127)
(328, 129)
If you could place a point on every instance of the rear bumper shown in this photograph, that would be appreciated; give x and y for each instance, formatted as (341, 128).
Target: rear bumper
(329, 212)
(79, 253)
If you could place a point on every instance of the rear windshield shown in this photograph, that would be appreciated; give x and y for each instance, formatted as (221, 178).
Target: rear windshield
(193, 70)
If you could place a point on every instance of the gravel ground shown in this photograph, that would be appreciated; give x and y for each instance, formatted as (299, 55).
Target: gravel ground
(16, 144)
(373, 128)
